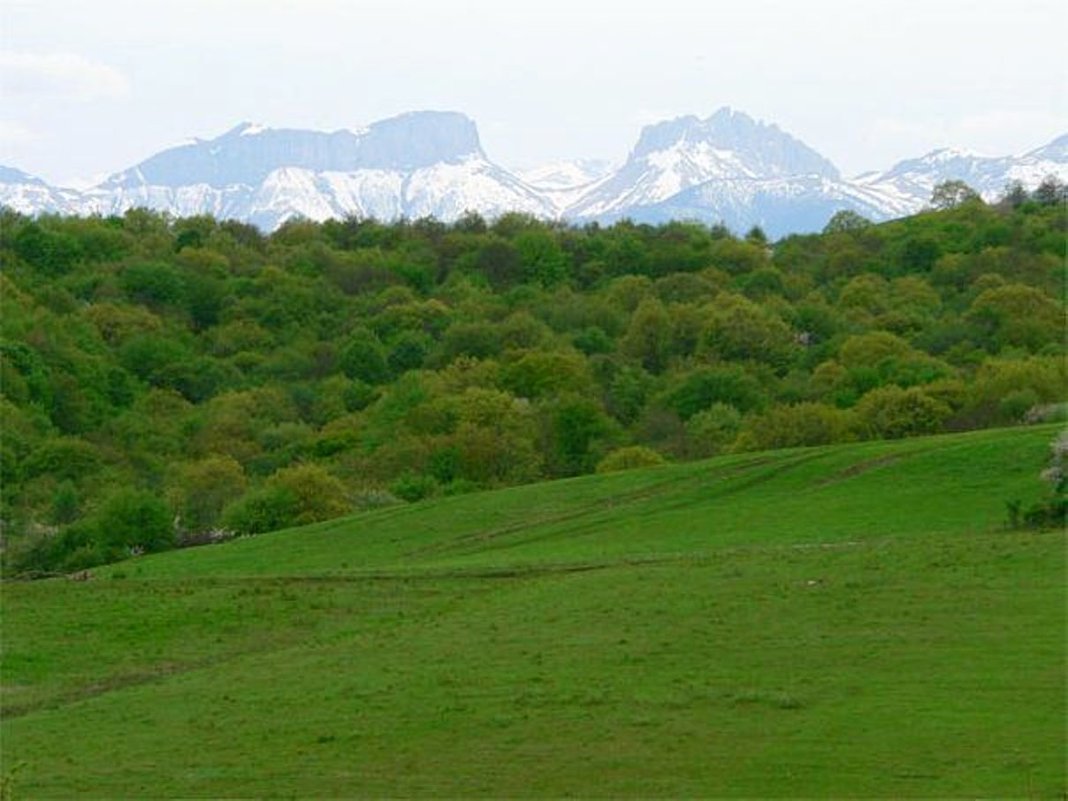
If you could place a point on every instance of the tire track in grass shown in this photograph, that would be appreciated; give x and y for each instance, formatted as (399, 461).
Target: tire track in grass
(493, 540)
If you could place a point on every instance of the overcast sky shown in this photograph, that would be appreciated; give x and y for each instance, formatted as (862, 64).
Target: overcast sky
(88, 88)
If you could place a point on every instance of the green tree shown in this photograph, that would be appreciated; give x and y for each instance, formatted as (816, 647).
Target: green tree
(846, 221)
(1017, 314)
(542, 259)
(795, 425)
(134, 519)
(317, 495)
(712, 430)
(951, 194)
(363, 359)
(891, 412)
(739, 329)
(200, 490)
(578, 426)
(648, 337)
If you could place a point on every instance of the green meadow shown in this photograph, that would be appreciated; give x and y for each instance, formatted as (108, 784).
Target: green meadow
(848, 621)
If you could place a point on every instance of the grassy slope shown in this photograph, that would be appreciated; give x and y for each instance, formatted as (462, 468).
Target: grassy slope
(846, 621)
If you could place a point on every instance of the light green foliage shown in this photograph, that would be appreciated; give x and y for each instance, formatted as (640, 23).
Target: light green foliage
(539, 373)
(293, 496)
(867, 350)
(139, 346)
(118, 323)
(737, 257)
(317, 494)
(893, 412)
(864, 297)
(1019, 315)
(739, 329)
(712, 430)
(790, 426)
(494, 438)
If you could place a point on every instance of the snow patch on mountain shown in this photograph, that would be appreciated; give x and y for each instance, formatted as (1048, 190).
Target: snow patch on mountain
(562, 175)
(987, 175)
(28, 194)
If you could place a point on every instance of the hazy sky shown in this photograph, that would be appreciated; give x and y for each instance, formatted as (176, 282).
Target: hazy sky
(91, 87)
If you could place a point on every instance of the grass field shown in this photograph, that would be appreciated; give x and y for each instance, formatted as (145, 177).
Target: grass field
(841, 621)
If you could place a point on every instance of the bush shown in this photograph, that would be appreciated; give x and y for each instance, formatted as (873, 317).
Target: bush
(794, 426)
(711, 431)
(267, 509)
(316, 494)
(130, 521)
(631, 458)
(134, 519)
(892, 412)
(412, 487)
(1052, 512)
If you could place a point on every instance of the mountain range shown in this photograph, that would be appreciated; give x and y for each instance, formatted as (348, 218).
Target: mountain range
(727, 168)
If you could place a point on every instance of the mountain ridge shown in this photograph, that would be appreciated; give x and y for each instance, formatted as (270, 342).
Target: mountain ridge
(726, 168)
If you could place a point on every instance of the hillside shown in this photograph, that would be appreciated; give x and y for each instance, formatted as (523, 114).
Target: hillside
(167, 382)
(847, 620)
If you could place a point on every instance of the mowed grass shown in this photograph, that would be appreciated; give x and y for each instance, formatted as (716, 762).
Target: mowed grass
(848, 621)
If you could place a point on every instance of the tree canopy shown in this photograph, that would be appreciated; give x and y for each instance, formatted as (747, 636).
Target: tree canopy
(184, 377)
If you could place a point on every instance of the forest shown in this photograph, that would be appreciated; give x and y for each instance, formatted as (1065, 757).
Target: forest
(170, 382)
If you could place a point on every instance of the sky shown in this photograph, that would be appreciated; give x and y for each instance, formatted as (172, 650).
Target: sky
(90, 88)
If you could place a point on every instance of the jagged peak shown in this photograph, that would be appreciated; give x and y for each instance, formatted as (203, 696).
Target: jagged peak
(731, 130)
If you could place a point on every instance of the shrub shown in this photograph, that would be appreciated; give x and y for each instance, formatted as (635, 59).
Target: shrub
(1052, 512)
(630, 458)
(793, 426)
(134, 519)
(892, 412)
(266, 509)
(200, 490)
(316, 494)
(413, 487)
(711, 431)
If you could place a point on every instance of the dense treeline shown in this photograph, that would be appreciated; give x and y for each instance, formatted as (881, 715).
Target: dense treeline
(170, 381)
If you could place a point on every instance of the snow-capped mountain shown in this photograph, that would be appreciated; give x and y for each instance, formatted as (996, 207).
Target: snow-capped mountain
(790, 204)
(727, 168)
(563, 183)
(561, 175)
(732, 169)
(915, 179)
(415, 165)
(671, 157)
(28, 194)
